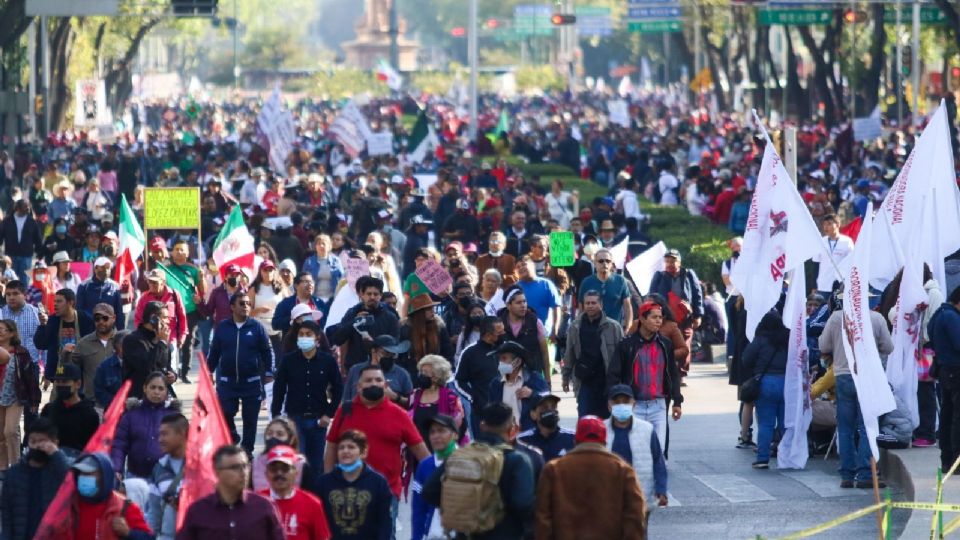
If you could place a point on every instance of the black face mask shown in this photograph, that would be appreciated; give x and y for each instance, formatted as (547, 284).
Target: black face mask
(232, 281)
(64, 393)
(386, 364)
(476, 320)
(736, 254)
(549, 419)
(109, 251)
(271, 442)
(38, 456)
(424, 382)
(372, 393)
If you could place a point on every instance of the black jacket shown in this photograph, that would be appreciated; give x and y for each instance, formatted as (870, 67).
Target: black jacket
(385, 322)
(305, 383)
(75, 424)
(361, 508)
(47, 338)
(29, 241)
(143, 354)
(27, 492)
(476, 369)
(768, 350)
(620, 370)
(517, 490)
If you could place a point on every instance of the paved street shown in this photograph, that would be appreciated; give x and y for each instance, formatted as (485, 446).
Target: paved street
(714, 493)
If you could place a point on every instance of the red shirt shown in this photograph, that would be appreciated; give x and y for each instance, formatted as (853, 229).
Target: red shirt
(724, 205)
(301, 515)
(387, 427)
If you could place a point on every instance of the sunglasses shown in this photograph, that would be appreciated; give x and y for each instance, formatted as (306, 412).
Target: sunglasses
(604, 261)
(99, 318)
(244, 304)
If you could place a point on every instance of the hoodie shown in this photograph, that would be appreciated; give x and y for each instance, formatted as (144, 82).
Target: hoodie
(952, 268)
(75, 423)
(93, 516)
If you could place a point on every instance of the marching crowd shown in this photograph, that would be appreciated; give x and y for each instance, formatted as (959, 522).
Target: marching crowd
(443, 397)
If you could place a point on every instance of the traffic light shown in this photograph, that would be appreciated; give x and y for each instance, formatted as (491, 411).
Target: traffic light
(194, 8)
(458, 31)
(38, 105)
(954, 78)
(563, 19)
(851, 16)
(906, 60)
(492, 24)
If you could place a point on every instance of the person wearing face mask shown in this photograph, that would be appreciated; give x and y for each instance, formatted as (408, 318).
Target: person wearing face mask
(59, 240)
(30, 485)
(387, 426)
(76, 418)
(442, 434)
(471, 330)
(384, 353)
(433, 397)
(551, 439)
(281, 430)
(101, 289)
(477, 367)
(356, 498)
(635, 441)
(310, 382)
(217, 306)
(98, 511)
(363, 322)
(517, 386)
(301, 513)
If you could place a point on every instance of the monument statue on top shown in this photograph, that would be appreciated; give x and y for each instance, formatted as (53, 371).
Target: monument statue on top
(373, 39)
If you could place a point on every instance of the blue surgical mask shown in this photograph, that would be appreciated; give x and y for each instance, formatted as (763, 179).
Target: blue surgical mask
(622, 411)
(87, 486)
(306, 343)
(60, 229)
(352, 467)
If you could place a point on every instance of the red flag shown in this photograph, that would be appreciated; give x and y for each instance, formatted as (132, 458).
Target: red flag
(57, 522)
(852, 229)
(208, 431)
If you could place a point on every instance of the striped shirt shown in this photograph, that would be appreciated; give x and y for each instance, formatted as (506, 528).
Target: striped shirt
(27, 321)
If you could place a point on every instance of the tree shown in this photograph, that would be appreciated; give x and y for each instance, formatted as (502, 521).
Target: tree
(949, 10)
(13, 22)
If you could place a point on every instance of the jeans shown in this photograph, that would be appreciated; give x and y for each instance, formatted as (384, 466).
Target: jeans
(186, 352)
(313, 438)
(592, 399)
(249, 415)
(655, 412)
(205, 328)
(769, 414)
(22, 265)
(854, 458)
(927, 406)
(394, 510)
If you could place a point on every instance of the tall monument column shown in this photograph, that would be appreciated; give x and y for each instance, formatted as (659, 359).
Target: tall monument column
(373, 39)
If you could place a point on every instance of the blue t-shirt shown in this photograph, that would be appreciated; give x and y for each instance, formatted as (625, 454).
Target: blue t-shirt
(542, 296)
(621, 443)
(613, 291)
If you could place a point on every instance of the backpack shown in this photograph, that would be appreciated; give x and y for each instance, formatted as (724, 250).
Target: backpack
(470, 500)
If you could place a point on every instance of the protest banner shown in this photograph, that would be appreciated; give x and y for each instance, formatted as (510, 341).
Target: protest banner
(83, 270)
(356, 268)
(562, 251)
(380, 144)
(276, 126)
(350, 128)
(171, 208)
(645, 265)
(345, 299)
(434, 276)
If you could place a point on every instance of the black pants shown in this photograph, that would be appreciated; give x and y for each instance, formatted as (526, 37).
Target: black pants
(927, 407)
(949, 419)
(186, 352)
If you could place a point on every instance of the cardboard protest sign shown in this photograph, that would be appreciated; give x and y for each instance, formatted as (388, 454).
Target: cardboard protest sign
(171, 208)
(562, 251)
(435, 277)
(356, 268)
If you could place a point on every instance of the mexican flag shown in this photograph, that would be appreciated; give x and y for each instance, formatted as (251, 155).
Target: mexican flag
(234, 244)
(422, 139)
(131, 243)
(503, 126)
(386, 73)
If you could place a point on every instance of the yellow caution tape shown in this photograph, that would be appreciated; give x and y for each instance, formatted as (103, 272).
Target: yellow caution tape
(933, 507)
(833, 523)
(951, 526)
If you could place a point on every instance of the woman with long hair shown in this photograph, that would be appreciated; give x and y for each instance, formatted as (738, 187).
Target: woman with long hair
(267, 290)
(19, 389)
(766, 357)
(476, 312)
(426, 333)
(135, 445)
(280, 430)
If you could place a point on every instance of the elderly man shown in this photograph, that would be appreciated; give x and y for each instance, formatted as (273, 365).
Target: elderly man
(100, 289)
(301, 513)
(496, 258)
(612, 287)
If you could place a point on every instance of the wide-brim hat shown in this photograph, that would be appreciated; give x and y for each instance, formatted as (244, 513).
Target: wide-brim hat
(421, 301)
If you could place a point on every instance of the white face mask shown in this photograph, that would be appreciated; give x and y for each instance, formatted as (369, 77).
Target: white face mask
(505, 369)
(591, 249)
(496, 253)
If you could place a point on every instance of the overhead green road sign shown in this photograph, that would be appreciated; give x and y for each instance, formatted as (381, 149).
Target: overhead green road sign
(928, 15)
(671, 25)
(796, 17)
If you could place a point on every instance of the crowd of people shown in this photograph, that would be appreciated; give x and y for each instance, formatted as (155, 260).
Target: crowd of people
(442, 397)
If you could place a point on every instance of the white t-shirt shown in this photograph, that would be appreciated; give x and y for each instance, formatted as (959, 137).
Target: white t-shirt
(510, 395)
(838, 250)
(668, 189)
(725, 270)
(628, 201)
(559, 208)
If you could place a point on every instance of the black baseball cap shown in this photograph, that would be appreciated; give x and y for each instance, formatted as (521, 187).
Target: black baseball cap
(390, 344)
(619, 390)
(540, 398)
(445, 421)
(67, 372)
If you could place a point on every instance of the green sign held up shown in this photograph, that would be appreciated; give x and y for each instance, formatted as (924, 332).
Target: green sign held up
(562, 251)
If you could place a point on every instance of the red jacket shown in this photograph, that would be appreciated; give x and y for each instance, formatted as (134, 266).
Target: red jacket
(175, 309)
(94, 521)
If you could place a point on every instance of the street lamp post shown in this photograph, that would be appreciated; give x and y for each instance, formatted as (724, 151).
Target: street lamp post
(472, 58)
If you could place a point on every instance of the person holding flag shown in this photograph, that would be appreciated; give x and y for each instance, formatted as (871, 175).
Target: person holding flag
(97, 507)
(184, 278)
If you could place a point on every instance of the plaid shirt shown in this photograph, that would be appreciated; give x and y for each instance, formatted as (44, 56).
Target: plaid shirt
(27, 322)
(648, 366)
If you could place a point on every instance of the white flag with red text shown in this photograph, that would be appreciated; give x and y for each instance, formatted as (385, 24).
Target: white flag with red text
(859, 344)
(779, 237)
(792, 453)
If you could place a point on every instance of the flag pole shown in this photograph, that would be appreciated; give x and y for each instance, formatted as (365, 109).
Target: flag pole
(876, 496)
(766, 136)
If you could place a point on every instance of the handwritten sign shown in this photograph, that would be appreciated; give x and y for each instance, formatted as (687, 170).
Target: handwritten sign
(83, 270)
(562, 252)
(435, 277)
(171, 208)
(380, 144)
(356, 268)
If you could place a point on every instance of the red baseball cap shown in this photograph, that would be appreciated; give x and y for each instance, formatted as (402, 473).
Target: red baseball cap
(454, 245)
(283, 454)
(232, 269)
(158, 243)
(266, 264)
(648, 306)
(591, 428)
